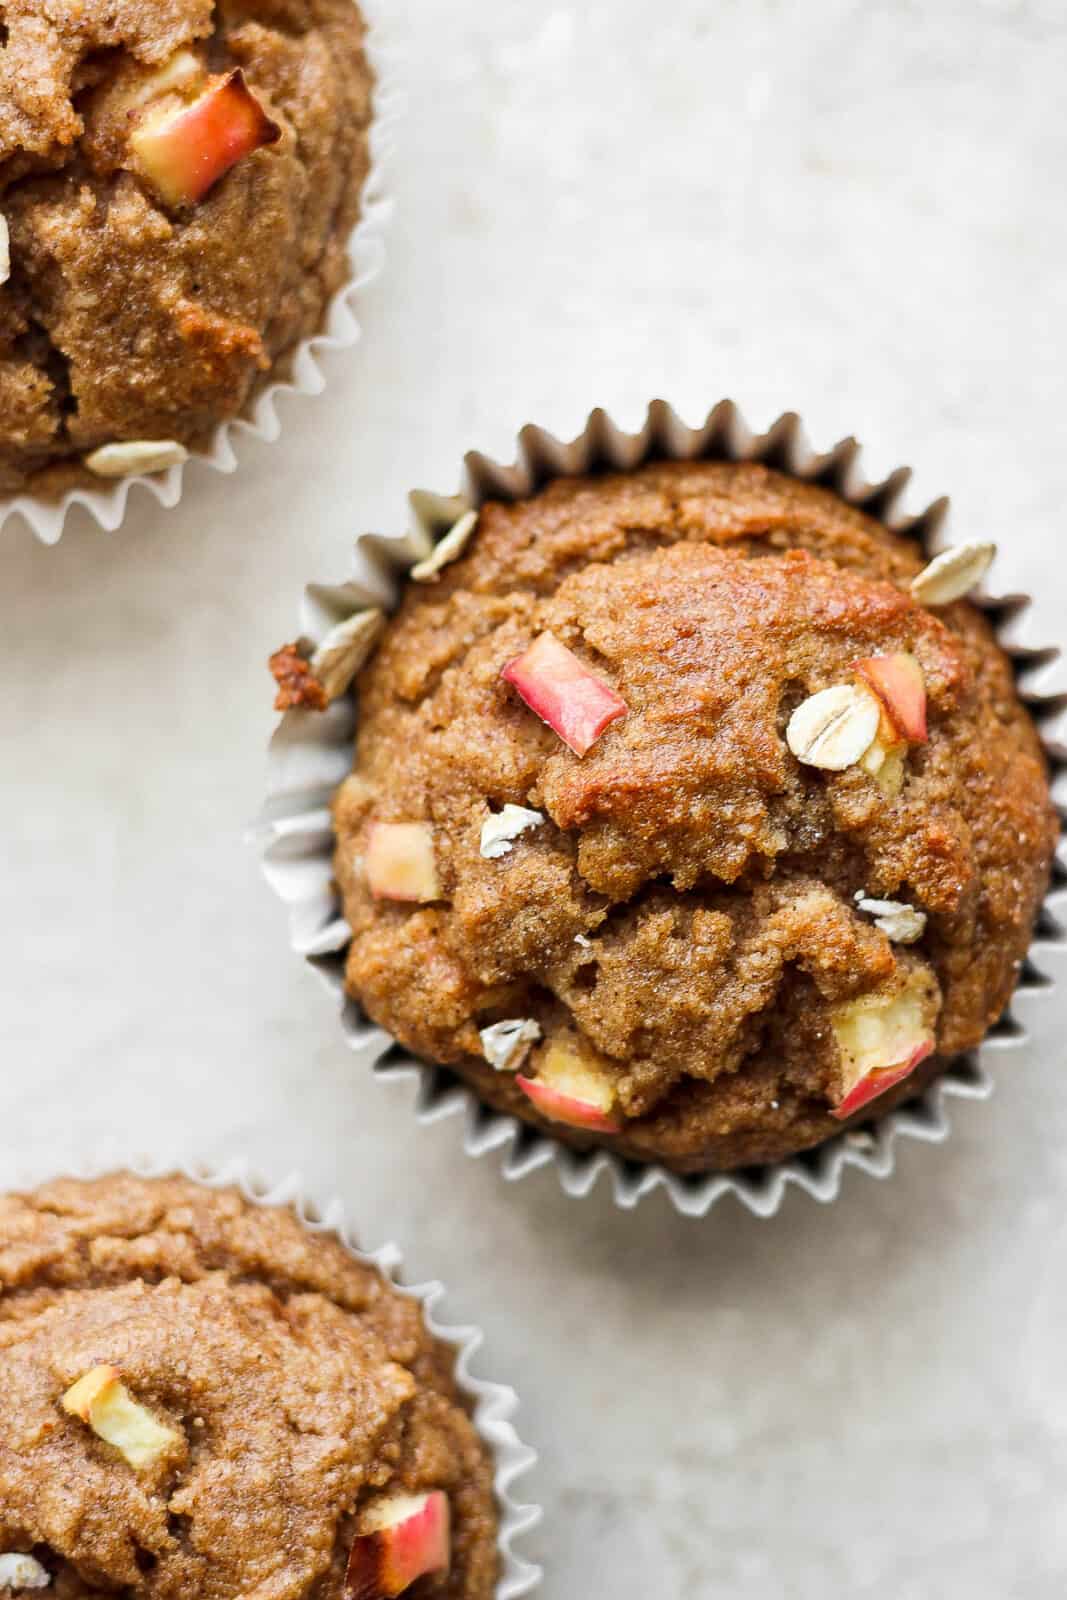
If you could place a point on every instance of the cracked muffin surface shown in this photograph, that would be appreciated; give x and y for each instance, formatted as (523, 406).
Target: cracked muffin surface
(135, 312)
(296, 1393)
(705, 936)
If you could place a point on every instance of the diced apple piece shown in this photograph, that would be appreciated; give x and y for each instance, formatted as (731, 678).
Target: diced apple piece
(885, 758)
(184, 150)
(569, 1089)
(563, 692)
(879, 1081)
(102, 1400)
(402, 1538)
(140, 86)
(898, 682)
(81, 1396)
(882, 1038)
(400, 862)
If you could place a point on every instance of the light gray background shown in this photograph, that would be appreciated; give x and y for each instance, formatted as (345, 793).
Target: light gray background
(850, 208)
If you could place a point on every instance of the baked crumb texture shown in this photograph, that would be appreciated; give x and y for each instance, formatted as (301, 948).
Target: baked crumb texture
(298, 1387)
(128, 316)
(683, 924)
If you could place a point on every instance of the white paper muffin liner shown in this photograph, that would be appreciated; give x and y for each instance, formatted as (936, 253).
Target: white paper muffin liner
(312, 752)
(494, 1404)
(341, 330)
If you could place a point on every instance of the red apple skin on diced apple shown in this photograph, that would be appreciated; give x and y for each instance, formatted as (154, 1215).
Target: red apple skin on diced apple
(898, 682)
(399, 862)
(879, 1082)
(572, 1087)
(412, 1539)
(561, 690)
(566, 1109)
(184, 151)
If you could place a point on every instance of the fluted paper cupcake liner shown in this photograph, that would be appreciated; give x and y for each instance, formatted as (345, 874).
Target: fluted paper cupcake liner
(311, 753)
(493, 1404)
(341, 330)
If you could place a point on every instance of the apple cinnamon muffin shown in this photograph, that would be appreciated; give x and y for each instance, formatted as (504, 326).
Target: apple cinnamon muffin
(203, 1398)
(691, 814)
(178, 182)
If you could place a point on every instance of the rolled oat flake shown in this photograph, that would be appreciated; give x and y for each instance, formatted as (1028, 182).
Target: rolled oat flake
(130, 457)
(502, 828)
(19, 1572)
(345, 649)
(834, 728)
(450, 548)
(953, 573)
(506, 1044)
(901, 923)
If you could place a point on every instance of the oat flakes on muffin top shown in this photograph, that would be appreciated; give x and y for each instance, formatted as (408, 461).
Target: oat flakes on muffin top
(204, 1401)
(178, 181)
(679, 822)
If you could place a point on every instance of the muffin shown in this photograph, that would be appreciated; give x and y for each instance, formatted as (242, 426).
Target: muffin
(178, 183)
(202, 1398)
(692, 815)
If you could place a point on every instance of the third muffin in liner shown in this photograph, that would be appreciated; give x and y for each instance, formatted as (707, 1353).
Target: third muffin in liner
(295, 372)
(311, 754)
(491, 1405)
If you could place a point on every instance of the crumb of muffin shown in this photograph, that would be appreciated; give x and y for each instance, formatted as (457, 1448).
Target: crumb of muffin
(297, 684)
(294, 1392)
(683, 927)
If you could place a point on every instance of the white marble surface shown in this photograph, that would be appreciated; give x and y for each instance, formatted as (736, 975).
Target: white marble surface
(847, 208)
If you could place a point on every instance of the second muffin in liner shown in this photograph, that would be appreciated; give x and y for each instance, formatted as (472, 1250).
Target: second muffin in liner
(157, 464)
(312, 754)
(141, 1237)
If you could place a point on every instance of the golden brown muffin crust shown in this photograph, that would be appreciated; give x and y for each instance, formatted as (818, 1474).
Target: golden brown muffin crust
(714, 874)
(125, 318)
(298, 1382)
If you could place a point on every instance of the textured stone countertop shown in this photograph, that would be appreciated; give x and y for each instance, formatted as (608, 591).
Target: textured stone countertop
(851, 209)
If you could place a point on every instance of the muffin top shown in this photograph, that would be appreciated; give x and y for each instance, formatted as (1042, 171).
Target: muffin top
(723, 909)
(178, 180)
(204, 1399)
